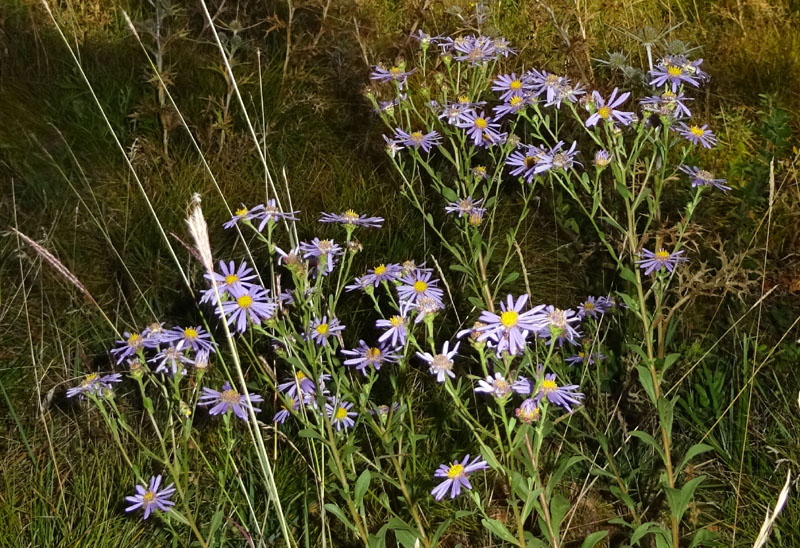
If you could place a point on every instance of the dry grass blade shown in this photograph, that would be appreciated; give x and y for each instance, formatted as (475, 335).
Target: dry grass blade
(766, 528)
(55, 263)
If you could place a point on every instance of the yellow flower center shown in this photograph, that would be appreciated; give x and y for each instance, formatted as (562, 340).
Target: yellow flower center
(148, 498)
(245, 301)
(373, 354)
(588, 305)
(341, 413)
(230, 396)
(509, 318)
(515, 101)
(380, 269)
(90, 378)
(662, 255)
(515, 85)
(475, 219)
(241, 212)
(134, 339)
(231, 279)
(416, 136)
(530, 161)
(190, 333)
(463, 99)
(300, 376)
(397, 321)
(480, 123)
(604, 112)
(395, 71)
(420, 286)
(455, 471)
(695, 130)
(674, 70)
(322, 328)
(548, 385)
(350, 216)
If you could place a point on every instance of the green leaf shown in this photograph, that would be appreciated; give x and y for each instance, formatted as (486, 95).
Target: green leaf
(309, 433)
(510, 278)
(668, 361)
(592, 540)
(624, 497)
(623, 191)
(643, 530)
(405, 534)
(694, 450)
(336, 511)
(559, 506)
(449, 195)
(362, 484)
(646, 379)
(565, 465)
(628, 274)
(679, 499)
(499, 530)
(649, 440)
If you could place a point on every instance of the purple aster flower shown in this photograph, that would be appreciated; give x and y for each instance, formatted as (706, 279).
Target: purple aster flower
(558, 159)
(602, 158)
(196, 338)
(233, 281)
(321, 329)
(497, 386)
(441, 364)
(94, 384)
(361, 283)
(502, 47)
(545, 84)
(128, 347)
(668, 104)
(462, 207)
(226, 400)
(697, 134)
(609, 303)
(272, 214)
(171, 359)
(510, 329)
(522, 386)
(511, 86)
(607, 111)
(480, 128)
(300, 383)
(701, 177)
(151, 498)
(417, 285)
(293, 404)
(254, 304)
(453, 112)
(417, 139)
(558, 324)
(340, 415)
(528, 411)
(394, 74)
(350, 217)
(322, 250)
(527, 163)
(475, 49)
(591, 307)
(395, 330)
(244, 215)
(369, 356)
(382, 273)
(476, 216)
(676, 70)
(456, 476)
(652, 262)
(425, 39)
(583, 357)
(514, 105)
(563, 396)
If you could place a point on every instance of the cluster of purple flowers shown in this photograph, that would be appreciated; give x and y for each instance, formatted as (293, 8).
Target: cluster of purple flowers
(301, 390)
(263, 214)
(171, 348)
(241, 300)
(228, 399)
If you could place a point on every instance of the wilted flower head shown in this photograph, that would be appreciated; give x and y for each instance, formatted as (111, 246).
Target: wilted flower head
(441, 364)
(602, 158)
(94, 384)
(557, 158)
(463, 206)
(528, 411)
(455, 476)
(497, 386)
(171, 359)
(701, 177)
(558, 324)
